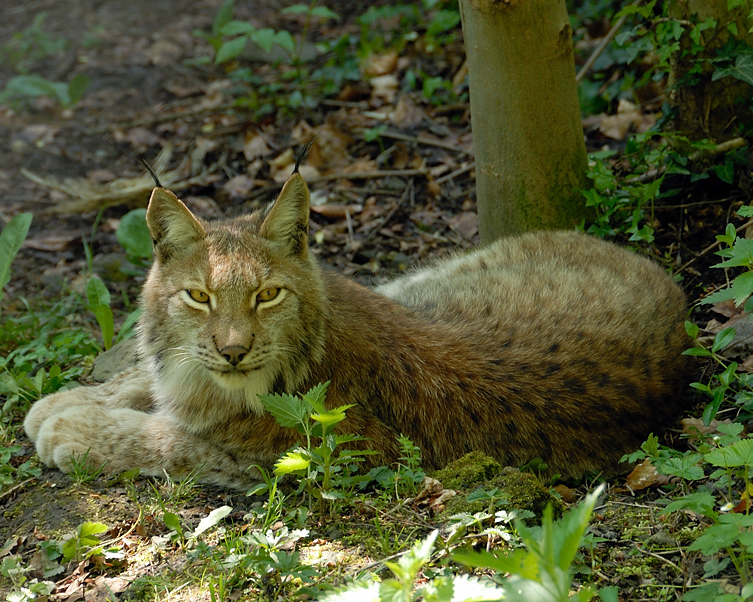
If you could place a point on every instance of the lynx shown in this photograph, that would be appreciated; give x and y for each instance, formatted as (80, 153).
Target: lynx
(551, 345)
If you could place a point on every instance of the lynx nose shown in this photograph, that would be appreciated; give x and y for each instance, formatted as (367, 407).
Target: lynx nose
(234, 353)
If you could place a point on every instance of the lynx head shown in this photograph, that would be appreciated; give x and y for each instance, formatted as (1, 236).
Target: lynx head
(231, 308)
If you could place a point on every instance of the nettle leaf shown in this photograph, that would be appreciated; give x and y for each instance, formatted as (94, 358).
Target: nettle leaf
(289, 410)
(331, 417)
(316, 396)
(291, 462)
(737, 454)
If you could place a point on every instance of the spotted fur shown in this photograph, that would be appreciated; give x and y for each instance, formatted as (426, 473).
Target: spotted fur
(549, 345)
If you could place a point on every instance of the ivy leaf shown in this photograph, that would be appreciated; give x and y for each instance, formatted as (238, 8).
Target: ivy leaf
(742, 70)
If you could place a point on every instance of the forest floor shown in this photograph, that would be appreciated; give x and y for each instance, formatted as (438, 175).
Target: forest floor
(392, 180)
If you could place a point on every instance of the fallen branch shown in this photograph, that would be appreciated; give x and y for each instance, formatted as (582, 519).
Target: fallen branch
(93, 196)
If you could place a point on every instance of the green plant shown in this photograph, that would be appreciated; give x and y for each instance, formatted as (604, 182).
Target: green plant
(133, 235)
(321, 469)
(31, 44)
(11, 239)
(24, 87)
(83, 470)
(542, 570)
(24, 589)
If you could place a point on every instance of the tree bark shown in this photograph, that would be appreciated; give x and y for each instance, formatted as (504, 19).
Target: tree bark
(527, 133)
(704, 108)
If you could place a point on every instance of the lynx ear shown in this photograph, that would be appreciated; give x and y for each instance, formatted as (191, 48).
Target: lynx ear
(171, 224)
(287, 222)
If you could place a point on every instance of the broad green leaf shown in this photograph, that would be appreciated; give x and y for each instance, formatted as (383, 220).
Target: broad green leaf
(723, 339)
(230, 49)
(99, 302)
(726, 294)
(209, 521)
(172, 522)
(224, 16)
(133, 234)
(235, 28)
(264, 38)
(288, 410)
(291, 462)
(316, 395)
(331, 417)
(691, 329)
(742, 254)
(743, 70)
(97, 293)
(77, 88)
(737, 454)
(11, 239)
(89, 529)
(697, 351)
(742, 286)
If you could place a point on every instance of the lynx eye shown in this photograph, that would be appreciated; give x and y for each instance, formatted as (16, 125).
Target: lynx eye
(267, 294)
(197, 295)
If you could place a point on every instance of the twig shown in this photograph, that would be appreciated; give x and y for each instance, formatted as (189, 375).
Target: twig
(711, 247)
(360, 175)
(426, 141)
(602, 45)
(456, 173)
(162, 117)
(15, 487)
(385, 220)
(665, 560)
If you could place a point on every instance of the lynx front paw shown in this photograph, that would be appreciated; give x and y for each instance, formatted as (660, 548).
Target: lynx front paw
(47, 406)
(97, 435)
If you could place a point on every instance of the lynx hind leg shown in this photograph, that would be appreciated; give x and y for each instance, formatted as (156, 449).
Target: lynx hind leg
(129, 389)
(121, 439)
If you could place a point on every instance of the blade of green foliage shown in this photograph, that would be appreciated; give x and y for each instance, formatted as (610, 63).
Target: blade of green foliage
(331, 417)
(11, 239)
(133, 234)
(288, 410)
(213, 518)
(172, 522)
(291, 462)
(230, 49)
(99, 303)
(316, 395)
(737, 454)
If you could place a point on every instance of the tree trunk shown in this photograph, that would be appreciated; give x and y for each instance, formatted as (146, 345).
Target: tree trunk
(527, 133)
(704, 108)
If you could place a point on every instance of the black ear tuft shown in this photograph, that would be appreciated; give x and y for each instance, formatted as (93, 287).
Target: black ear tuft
(151, 171)
(303, 153)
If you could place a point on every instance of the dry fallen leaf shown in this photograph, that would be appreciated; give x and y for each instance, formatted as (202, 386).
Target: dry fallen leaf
(255, 146)
(384, 87)
(644, 475)
(380, 64)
